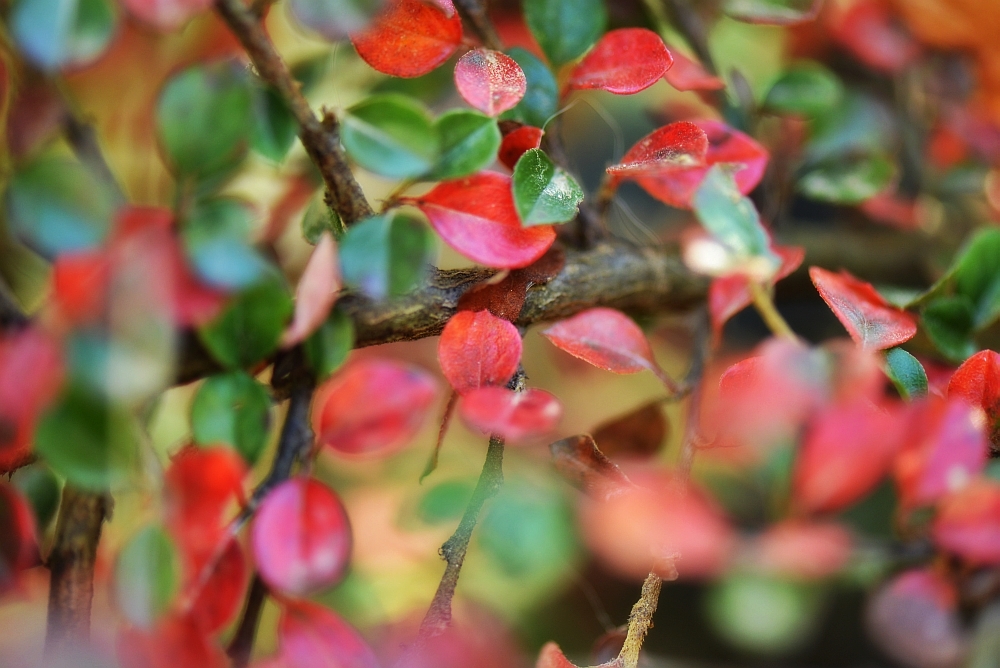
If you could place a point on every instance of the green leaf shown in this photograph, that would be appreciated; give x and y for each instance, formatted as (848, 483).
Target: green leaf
(274, 127)
(848, 181)
(807, 88)
(729, 216)
(57, 33)
(334, 20)
(216, 238)
(41, 487)
(859, 125)
(469, 142)
(234, 409)
(906, 373)
(948, 323)
(55, 205)
(320, 218)
(329, 345)
(147, 575)
(444, 502)
(204, 118)
(977, 276)
(565, 29)
(249, 329)
(544, 194)
(541, 99)
(386, 255)
(88, 440)
(390, 135)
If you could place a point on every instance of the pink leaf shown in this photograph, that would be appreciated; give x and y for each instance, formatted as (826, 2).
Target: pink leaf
(31, 373)
(478, 349)
(516, 142)
(310, 636)
(517, 416)
(301, 537)
(968, 523)
(490, 81)
(166, 15)
(868, 29)
(608, 339)
(977, 381)
(687, 74)
(871, 321)
(316, 292)
(477, 217)
(623, 62)
(373, 406)
(803, 550)
(409, 38)
(944, 448)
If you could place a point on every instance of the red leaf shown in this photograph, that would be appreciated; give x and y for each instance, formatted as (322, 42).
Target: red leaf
(663, 523)
(310, 636)
(166, 15)
(870, 32)
(316, 292)
(623, 62)
(914, 618)
(175, 641)
(301, 537)
(977, 381)
(18, 539)
(687, 74)
(667, 150)
(803, 550)
(218, 594)
(80, 285)
(409, 38)
(490, 81)
(578, 459)
(870, 320)
(729, 295)
(476, 216)
(478, 349)
(968, 523)
(517, 416)
(31, 373)
(608, 339)
(944, 448)
(374, 406)
(847, 450)
(516, 142)
(725, 145)
(552, 657)
(199, 486)
(894, 210)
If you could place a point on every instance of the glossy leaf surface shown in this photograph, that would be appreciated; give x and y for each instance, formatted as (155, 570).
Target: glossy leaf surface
(868, 318)
(624, 62)
(541, 98)
(390, 135)
(490, 81)
(408, 38)
(565, 29)
(468, 142)
(544, 193)
(516, 142)
(906, 373)
(478, 349)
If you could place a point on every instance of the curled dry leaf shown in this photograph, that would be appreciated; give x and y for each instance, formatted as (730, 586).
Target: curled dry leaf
(870, 320)
(609, 340)
(578, 459)
(301, 537)
(516, 416)
(311, 636)
(478, 349)
(624, 62)
(476, 216)
(505, 297)
(638, 433)
(373, 406)
(977, 381)
(490, 81)
(409, 38)
(968, 523)
(316, 292)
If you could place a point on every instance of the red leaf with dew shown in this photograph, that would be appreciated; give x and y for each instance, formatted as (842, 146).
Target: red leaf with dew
(490, 81)
(311, 636)
(316, 292)
(516, 142)
(174, 641)
(674, 147)
(478, 349)
(301, 537)
(968, 523)
(687, 74)
(624, 62)
(517, 416)
(846, 451)
(871, 321)
(977, 381)
(609, 340)
(217, 595)
(373, 406)
(476, 216)
(409, 38)
(944, 448)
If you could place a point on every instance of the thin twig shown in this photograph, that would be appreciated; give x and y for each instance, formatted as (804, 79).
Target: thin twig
(764, 304)
(321, 138)
(82, 138)
(478, 18)
(71, 563)
(640, 620)
(241, 646)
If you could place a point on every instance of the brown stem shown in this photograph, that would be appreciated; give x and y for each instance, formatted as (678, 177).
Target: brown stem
(476, 15)
(241, 646)
(321, 138)
(640, 620)
(71, 563)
